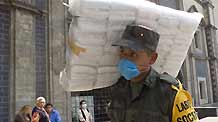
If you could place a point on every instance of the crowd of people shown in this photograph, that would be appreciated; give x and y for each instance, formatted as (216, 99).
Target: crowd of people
(45, 112)
(41, 112)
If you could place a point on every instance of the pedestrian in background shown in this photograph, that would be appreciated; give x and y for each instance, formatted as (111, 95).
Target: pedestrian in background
(84, 115)
(24, 115)
(53, 114)
(39, 114)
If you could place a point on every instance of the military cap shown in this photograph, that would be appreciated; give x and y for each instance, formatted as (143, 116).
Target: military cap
(138, 37)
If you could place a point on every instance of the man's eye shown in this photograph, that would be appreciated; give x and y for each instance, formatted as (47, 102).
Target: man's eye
(121, 50)
(133, 54)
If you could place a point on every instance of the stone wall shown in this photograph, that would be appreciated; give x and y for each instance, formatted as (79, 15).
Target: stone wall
(57, 38)
(30, 52)
(24, 59)
(36, 67)
(215, 10)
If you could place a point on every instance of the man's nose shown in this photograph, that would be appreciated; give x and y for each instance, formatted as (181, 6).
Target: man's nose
(124, 54)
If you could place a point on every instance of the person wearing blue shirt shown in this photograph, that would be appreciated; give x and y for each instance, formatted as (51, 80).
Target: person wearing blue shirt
(53, 114)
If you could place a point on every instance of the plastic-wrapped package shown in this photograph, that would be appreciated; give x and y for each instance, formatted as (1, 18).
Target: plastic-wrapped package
(90, 8)
(107, 75)
(96, 24)
(176, 29)
(91, 57)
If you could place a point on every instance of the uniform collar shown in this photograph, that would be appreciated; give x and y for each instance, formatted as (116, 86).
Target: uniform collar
(151, 78)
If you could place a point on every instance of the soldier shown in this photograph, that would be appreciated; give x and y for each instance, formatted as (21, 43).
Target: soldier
(141, 93)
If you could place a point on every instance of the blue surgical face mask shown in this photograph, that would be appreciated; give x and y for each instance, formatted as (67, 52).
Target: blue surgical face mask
(128, 69)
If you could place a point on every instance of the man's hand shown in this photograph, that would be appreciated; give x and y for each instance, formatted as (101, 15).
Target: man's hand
(35, 117)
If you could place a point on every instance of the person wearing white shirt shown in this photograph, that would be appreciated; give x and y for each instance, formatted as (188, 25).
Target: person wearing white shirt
(83, 114)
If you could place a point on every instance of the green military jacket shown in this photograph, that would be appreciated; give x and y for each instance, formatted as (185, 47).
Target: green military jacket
(151, 101)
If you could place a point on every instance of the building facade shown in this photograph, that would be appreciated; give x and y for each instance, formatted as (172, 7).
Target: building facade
(33, 35)
(200, 67)
(23, 54)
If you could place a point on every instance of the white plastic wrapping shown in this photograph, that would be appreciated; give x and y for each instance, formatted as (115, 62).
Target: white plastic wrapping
(91, 60)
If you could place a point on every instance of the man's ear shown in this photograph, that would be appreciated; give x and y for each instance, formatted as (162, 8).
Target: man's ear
(153, 58)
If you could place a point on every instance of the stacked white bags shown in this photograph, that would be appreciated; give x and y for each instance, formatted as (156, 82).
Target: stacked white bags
(98, 23)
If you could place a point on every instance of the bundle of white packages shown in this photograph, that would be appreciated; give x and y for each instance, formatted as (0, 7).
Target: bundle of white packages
(98, 23)
(176, 29)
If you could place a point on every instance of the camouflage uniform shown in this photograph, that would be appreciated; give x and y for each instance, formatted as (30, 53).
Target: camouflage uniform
(151, 101)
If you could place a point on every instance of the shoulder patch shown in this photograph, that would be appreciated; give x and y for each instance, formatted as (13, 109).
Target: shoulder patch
(169, 79)
(183, 108)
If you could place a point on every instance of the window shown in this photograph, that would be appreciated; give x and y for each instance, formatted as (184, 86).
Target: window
(4, 62)
(202, 90)
(97, 101)
(197, 39)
